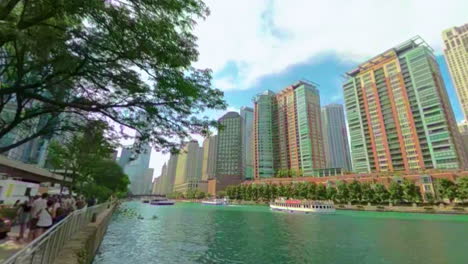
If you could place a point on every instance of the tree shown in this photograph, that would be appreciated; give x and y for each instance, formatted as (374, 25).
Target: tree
(331, 193)
(381, 193)
(411, 192)
(368, 193)
(447, 189)
(462, 184)
(395, 191)
(312, 191)
(321, 192)
(125, 62)
(342, 192)
(355, 193)
(81, 152)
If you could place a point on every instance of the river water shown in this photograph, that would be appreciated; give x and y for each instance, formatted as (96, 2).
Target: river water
(193, 233)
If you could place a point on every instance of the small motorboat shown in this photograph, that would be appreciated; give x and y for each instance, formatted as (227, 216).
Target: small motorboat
(224, 201)
(162, 201)
(145, 201)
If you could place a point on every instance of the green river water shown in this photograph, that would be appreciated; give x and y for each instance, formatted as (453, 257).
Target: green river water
(194, 233)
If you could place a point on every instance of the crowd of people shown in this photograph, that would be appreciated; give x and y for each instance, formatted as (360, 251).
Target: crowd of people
(39, 213)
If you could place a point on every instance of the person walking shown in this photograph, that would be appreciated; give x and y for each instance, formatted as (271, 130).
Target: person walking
(37, 206)
(24, 216)
(46, 217)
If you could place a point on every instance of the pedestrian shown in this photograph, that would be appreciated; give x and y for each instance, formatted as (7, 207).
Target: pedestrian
(45, 218)
(37, 206)
(24, 216)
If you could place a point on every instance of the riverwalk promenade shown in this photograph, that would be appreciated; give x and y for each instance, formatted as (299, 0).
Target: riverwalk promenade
(59, 242)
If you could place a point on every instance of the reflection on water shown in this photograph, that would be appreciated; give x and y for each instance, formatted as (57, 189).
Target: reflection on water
(193, 233)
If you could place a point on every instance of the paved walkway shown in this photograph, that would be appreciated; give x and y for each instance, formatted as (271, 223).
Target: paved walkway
(9, 245)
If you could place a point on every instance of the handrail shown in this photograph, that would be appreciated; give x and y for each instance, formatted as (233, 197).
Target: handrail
(45, 248)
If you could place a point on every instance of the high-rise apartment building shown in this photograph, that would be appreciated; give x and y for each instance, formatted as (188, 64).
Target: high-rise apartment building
(456, 55)
(189, 167)
(265, 135)
(288, 131)
(171, 172)
(210, 150)
(246, 114)
(136, 166)
(399, 114)
(335, 137)
(229, 154)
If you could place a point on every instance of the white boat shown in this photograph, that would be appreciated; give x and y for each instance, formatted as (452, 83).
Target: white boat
(302, 206)
(224, 201)
(162, 201)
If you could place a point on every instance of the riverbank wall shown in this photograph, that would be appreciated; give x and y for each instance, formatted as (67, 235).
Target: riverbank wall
(84, 246)
(428, 209)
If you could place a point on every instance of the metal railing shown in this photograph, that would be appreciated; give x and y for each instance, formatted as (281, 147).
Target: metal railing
(45, 248)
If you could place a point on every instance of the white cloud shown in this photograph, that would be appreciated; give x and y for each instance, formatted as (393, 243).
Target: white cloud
(298, 30)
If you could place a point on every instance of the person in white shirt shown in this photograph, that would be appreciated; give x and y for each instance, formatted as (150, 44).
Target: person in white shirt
(46, 217)
(37, 207)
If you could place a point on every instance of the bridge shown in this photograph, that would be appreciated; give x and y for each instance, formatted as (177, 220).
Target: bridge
(28, 172)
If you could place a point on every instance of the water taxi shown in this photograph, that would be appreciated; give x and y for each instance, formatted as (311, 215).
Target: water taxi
(223, 201)
(162, 201)
(302, 206)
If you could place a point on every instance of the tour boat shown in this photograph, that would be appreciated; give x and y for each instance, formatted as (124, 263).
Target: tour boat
(224, 201)
(302, 206)
(162, 201)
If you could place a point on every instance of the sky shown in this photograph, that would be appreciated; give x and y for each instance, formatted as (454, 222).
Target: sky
(255, 45)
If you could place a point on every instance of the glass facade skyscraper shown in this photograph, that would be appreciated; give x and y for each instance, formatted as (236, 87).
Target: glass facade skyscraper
(288, 131)
(246, 114)
(335, 137)
(399, 115)
(229, 154)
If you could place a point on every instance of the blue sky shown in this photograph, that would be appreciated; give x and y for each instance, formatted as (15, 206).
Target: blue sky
(326, 71)
(255, 45)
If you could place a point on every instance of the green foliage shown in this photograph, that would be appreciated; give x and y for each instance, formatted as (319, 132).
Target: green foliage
(321, 192)
(331, 193)
(85, 158)
(195, 194)
(175, 195)
(381, 193)
(411, 192)
(355, 193)
(342, 194)
(395, 191)
(125, 61)
(368, 193)
(447, 189)
(462, 184)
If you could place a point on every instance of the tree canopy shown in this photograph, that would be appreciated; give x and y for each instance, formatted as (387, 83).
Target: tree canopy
(128, 63)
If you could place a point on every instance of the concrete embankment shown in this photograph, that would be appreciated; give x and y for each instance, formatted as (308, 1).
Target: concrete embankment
(82, 248)
(429, 209)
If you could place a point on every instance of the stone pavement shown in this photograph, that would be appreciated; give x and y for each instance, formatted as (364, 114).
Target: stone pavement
(9, 245)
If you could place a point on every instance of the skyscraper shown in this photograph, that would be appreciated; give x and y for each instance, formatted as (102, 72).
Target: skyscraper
(265, 135)
(335, 137)
(229, 160)
(246, 114)
(189, 164)
(210, 149)
(288, 131)
(399, 115)
(300, 129)
(456, 55)
(171, 172)
(136, 166)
